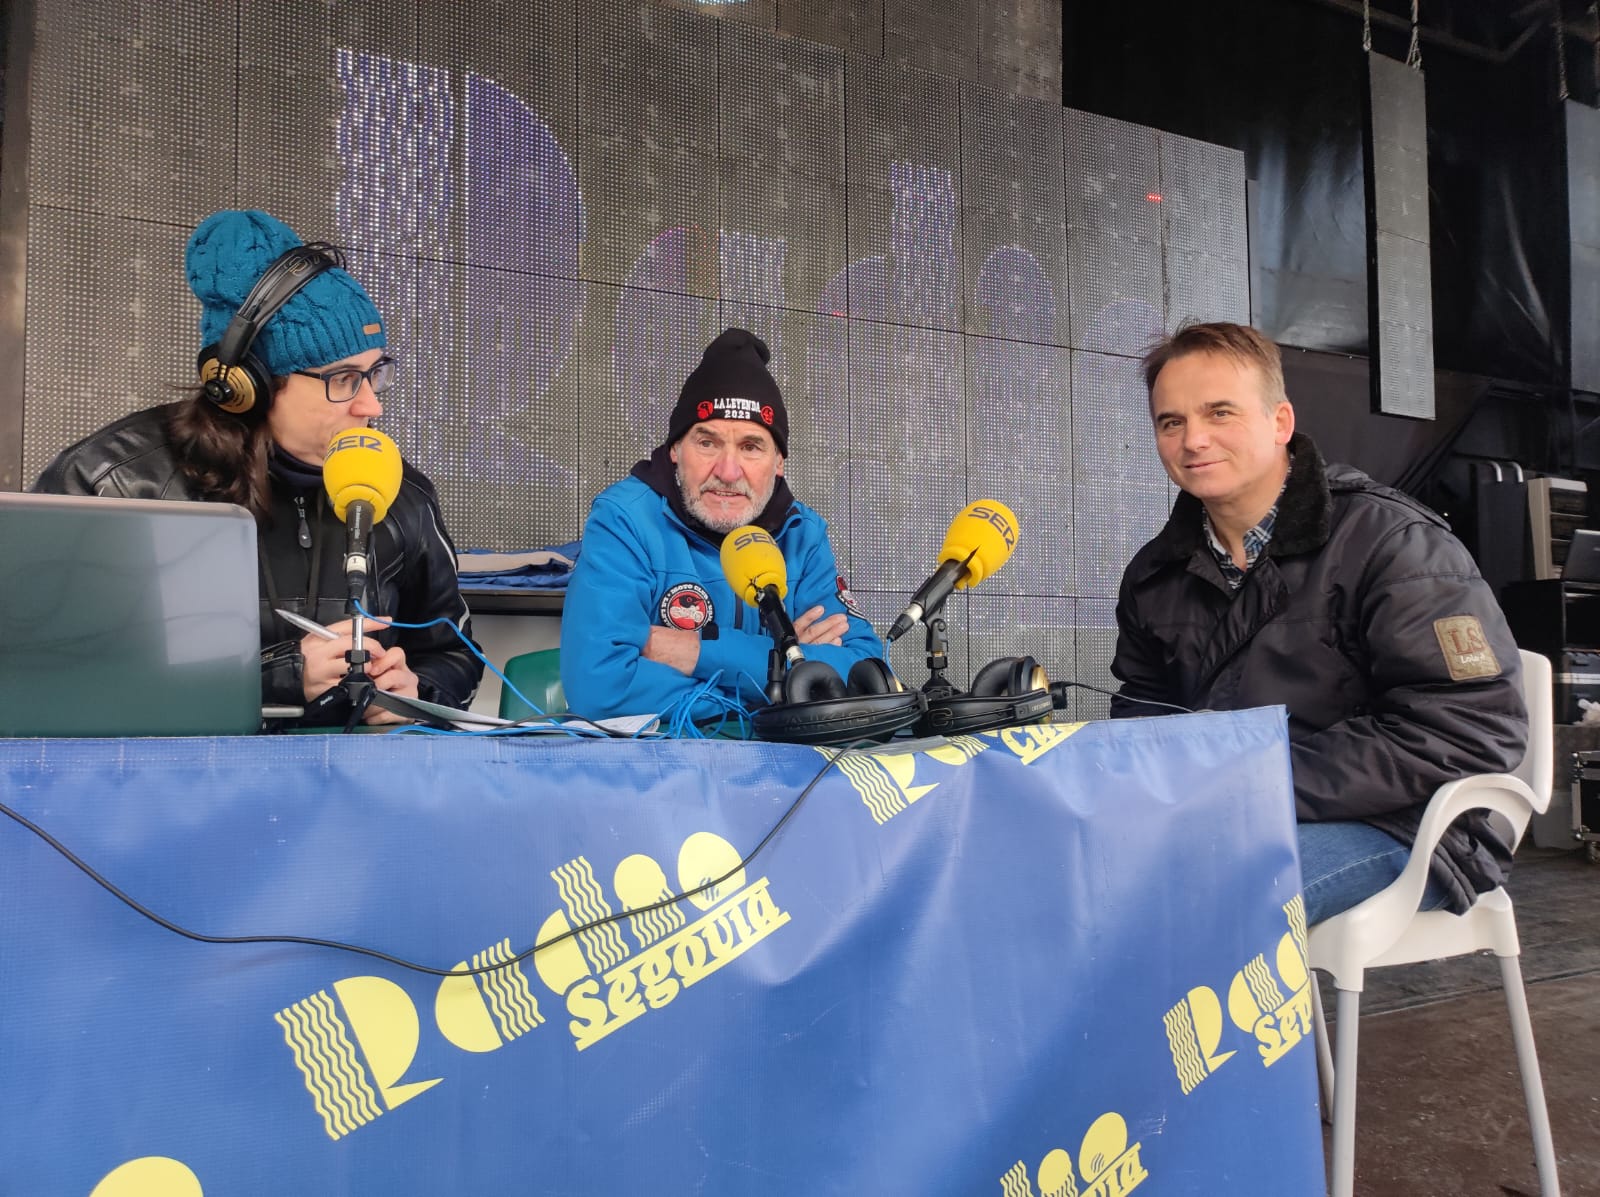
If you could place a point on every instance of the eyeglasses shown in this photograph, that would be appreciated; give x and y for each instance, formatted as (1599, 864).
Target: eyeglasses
(342, 383)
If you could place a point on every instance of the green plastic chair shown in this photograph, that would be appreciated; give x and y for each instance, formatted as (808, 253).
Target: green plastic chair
(538, 675)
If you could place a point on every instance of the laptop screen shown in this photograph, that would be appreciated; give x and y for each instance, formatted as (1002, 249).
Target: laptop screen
(127, 617)
(1583, 557)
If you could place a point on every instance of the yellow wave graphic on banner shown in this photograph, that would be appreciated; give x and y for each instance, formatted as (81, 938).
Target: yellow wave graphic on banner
(1015, 1183)
(882, 797)
(507, 992)
(327, 1059)
(640, 881)
(586, 903)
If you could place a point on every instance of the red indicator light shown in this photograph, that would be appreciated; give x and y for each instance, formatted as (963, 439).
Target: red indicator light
(1153, 196)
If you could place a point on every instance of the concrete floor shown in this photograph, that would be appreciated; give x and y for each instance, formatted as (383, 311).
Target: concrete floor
(1440, 1108)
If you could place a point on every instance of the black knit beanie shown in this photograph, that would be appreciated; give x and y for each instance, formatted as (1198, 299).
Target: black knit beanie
(731, 383)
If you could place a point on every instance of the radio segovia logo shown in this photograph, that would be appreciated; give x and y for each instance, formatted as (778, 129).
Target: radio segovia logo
(886, 781)
(1107, 1165)
(355, 1045)
(1278, 1016)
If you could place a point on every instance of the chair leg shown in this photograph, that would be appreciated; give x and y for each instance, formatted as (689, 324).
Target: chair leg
(1544, 1151)
(1324, 1053)
(1344, 1094)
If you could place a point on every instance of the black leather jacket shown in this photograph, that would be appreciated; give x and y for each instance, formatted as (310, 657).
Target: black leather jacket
(413, 575)
(1365, 618)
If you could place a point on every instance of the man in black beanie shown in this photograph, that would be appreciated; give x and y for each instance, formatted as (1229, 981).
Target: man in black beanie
(649, 620)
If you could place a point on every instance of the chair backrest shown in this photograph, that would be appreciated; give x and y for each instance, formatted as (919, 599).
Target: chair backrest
(1538, 763)
(537, 675)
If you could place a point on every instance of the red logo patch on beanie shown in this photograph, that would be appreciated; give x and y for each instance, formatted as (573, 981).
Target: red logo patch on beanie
(705, 409)
(766, 414)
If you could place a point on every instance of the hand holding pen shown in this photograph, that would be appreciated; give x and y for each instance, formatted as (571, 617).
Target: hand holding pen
(324, 649)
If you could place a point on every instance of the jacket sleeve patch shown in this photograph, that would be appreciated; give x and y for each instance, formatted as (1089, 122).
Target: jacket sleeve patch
(1466, 649)
(846, 598)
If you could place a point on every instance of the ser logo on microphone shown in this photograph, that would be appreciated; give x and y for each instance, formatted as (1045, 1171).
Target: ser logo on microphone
(355, 440)
(998, 520)
(754, 536)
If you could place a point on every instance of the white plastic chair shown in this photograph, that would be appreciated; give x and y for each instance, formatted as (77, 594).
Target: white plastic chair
(1388, 929)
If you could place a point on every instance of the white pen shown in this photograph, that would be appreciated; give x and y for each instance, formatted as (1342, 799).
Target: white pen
(307, 625)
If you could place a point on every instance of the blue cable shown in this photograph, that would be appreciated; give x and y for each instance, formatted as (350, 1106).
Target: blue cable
(575, 733)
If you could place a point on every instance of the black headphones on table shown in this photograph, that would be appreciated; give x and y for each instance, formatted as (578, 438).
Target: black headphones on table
(230, 375)
(1005, 692)
(820, 707)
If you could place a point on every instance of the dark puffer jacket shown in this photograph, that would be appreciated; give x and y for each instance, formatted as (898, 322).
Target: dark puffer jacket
(413, 562)
(1365, 618)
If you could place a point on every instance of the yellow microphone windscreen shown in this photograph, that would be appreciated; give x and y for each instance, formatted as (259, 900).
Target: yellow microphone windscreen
(985, 531)
(752, 561)
(362, 463)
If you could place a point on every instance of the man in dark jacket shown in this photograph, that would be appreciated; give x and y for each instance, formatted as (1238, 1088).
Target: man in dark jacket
(1281, 580)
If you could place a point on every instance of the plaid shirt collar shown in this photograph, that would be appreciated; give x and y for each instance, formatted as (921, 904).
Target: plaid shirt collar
(1255, 541)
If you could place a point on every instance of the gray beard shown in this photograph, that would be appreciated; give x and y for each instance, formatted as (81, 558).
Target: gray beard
(724, 524)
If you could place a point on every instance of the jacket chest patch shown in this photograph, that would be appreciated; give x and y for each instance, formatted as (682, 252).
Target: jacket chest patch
(686, 606)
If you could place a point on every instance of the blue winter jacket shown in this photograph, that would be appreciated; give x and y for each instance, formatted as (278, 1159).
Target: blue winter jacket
(640, 565)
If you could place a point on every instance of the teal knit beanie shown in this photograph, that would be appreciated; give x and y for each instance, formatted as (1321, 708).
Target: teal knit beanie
(327, 320)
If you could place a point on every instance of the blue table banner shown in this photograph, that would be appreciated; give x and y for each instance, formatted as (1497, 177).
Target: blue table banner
(1056, 961)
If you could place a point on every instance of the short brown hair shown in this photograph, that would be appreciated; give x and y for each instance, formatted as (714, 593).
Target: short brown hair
(1243, 344)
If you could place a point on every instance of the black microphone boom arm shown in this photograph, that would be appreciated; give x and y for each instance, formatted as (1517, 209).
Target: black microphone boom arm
(776, 620)
(930, 596)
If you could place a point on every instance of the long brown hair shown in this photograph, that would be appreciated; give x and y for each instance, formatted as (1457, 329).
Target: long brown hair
(223, 455)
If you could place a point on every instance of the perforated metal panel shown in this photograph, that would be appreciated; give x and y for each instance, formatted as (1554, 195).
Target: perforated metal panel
(1121, 495)
(855, 25)
(1095, 643)
(647, 145)
(1402, 363)
(782, 168)
(1118, 303)
(325, 108)
(1015, 250)
(132, 109)
(908, 441)
(637, 348)
(903, 153)
(1019, 433)
(1016, 625)
(1202, 287)
(1112, 171)
(939, 36)
(1583, 207)
(1202, 198)
(1399, 285)
(110, 324)
(1019, 47)
(760, 13)
(1399, 136)
(1585, 324)
(814, 370)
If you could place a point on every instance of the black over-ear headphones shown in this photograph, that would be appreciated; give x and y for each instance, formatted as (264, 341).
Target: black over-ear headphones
(1005, 692)
(230, 375)
(820, 707)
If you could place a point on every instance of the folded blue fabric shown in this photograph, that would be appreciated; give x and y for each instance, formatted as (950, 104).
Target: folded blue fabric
(534, 569)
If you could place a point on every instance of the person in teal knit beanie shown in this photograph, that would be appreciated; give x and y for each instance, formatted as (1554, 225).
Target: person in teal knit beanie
(292, 353)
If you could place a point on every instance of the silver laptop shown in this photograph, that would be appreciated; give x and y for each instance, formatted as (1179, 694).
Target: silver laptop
(127, 617)
(1583, 557)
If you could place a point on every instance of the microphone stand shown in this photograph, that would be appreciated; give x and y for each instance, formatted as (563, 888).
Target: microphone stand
(777, 669)
(785, 646)
(358, 687)
(937, 685)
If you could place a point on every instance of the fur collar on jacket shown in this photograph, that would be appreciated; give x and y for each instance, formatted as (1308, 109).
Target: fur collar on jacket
(1305, 512)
